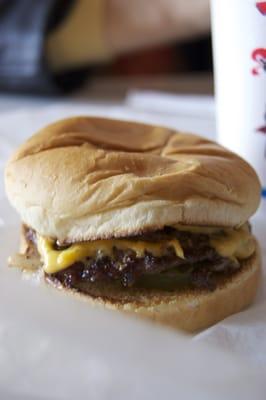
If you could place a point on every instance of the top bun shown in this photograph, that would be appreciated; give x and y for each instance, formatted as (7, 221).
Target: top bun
(89, 178)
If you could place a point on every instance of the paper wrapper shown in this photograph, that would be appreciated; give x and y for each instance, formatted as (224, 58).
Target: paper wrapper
(53, 346)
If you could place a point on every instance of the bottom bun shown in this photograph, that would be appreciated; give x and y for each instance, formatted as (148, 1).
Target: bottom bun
(189, 310)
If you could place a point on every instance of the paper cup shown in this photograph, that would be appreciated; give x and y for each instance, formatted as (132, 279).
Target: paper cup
(239, 44)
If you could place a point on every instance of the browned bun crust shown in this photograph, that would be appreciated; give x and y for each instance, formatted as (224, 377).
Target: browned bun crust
(189, 310)
(86, 178)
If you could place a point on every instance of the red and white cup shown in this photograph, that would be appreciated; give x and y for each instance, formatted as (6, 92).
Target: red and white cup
(239, 44)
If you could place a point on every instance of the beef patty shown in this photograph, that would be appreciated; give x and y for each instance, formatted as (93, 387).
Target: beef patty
(199, 268)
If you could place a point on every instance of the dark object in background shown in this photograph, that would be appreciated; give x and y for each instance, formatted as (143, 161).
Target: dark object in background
(195, 56)
(23, 28)
(198, 54)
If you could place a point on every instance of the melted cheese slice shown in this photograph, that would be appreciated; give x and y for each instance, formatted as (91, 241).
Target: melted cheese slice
(231, 243)
(57, 260)
(234, 243)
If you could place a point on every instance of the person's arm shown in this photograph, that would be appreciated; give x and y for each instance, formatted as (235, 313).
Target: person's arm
(97, 30)
(142, 23)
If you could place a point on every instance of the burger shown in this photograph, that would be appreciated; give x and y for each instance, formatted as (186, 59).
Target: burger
(137, 218)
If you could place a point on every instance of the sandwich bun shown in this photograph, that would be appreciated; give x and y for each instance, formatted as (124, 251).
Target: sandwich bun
(91, 178)
(87, 178)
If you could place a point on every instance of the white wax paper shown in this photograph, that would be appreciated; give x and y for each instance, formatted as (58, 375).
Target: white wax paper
(53, 346)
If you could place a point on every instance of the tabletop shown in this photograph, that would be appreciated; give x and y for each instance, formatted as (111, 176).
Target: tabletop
(52, 347)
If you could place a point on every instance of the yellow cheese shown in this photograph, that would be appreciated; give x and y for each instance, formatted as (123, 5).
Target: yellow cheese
(231, 243)
(234, 243)
(57, 260)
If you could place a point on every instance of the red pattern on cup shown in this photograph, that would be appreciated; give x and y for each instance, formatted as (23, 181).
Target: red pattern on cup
(262, 129)
(261, 6)
(259, 56)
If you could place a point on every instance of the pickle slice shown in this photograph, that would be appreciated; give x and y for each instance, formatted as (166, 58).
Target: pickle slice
(170, 280)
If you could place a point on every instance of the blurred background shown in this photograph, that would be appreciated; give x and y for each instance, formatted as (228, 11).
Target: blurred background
(108, 46)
